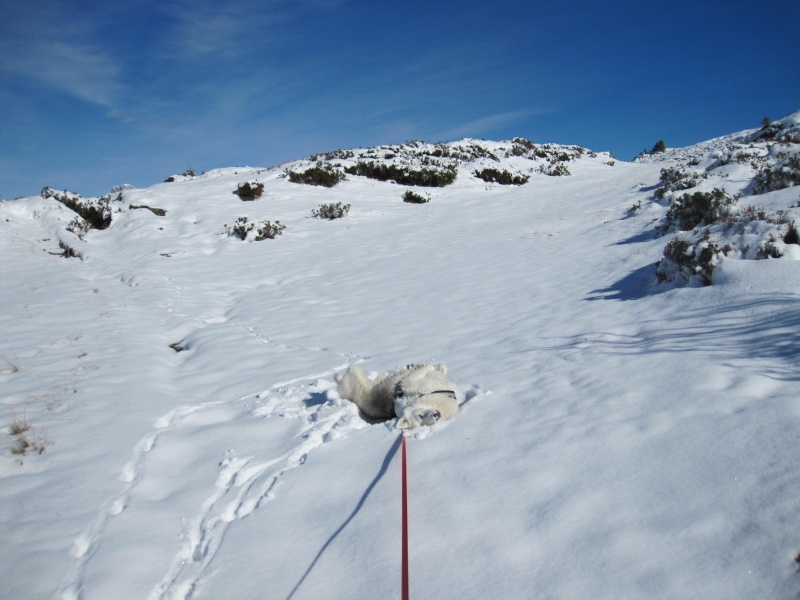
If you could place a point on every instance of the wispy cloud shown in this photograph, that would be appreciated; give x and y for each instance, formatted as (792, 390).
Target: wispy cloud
(486, 123)
(202, 29)
(80, 71)
(43, 46)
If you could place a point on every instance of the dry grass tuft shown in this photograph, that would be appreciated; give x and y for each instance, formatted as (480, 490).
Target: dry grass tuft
(19, 425)
(27, 439)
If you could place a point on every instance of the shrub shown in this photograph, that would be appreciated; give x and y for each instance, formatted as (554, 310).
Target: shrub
(769, 249)
(684, 260)
(521, 147)
(266, 230)
(335, 155)
(555, 169)
(425, 177)
(67, 251)
(269, 231)
(322, 174)
(675, 179)
(97, 213)
(414, 198)
(79, 227)
(791, 236)
(502, 177)
(331, 211)
(634, 209)
(778, 132)
(690, 210)
(240, 228)
(779, 177)
(659, 147)
(250, 190)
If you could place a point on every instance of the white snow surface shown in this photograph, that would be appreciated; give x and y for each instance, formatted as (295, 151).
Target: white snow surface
(617, 438)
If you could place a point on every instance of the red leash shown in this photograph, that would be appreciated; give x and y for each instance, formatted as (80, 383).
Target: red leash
(405, 525)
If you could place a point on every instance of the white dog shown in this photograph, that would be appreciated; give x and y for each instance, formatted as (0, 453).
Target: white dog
(417, 395)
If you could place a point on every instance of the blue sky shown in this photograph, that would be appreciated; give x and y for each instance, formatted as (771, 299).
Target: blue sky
(95, 94)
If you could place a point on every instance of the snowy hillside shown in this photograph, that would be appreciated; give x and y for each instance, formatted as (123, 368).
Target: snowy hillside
(172, 428)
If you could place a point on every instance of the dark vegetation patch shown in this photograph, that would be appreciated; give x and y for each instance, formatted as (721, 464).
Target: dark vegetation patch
(502, 177)
(97, 212)
(250, 190)
(331, 212)
(321, 175)
(405, 175)
(414, 198)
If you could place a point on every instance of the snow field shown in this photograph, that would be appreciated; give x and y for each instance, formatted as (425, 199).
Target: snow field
(617, 439)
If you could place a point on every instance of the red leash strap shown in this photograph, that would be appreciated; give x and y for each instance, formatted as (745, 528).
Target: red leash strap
(405, 524)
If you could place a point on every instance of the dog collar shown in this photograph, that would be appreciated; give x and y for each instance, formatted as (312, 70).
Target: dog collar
(450, 393)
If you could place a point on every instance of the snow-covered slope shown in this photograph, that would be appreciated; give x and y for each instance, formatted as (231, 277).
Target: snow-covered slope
(618, 437)
(732, 197)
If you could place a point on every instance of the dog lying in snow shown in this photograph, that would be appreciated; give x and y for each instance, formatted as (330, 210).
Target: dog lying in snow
(417, 395)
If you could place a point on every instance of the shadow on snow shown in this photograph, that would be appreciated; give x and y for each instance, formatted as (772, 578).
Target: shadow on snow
(384, 467)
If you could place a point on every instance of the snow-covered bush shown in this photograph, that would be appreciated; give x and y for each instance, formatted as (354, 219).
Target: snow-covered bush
(675, 179)
(523, 147)
(434, 176)
(68, 251)
(240, 228)
(780, 132)
(791, 236)
(267, 230)
(331, 211)
(770, 249)
(690, 210)
(555, 169)
(250, 190)
(334, 155)
(96, 212)
(79, 227)
(685, 259)
(634, 209)
(321, 174)
(414, 198)
(502, 177)
(784, 174)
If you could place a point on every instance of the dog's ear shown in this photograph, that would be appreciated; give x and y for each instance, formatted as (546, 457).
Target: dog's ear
(442, 369)
(338, 377)
(403, 423)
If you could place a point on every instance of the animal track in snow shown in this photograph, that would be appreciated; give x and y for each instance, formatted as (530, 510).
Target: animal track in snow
(243, 485)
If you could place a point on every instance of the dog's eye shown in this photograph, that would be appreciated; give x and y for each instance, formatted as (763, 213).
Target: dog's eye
(429, 417)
